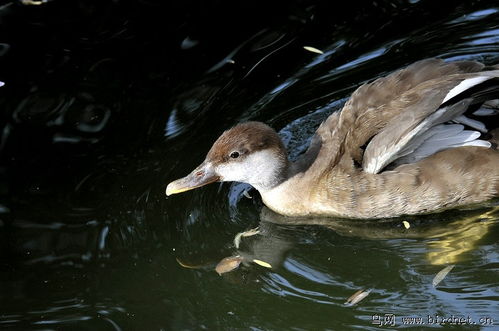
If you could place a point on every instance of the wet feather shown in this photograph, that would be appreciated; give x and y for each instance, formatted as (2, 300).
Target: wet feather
(441, 275)
(357, 297)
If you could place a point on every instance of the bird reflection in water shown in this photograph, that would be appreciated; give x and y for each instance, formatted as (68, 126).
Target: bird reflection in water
(447, 236)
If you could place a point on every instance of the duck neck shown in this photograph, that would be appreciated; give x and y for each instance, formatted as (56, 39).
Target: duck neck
(270, 172)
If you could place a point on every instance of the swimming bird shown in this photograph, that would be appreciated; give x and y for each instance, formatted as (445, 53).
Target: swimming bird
(407, 143)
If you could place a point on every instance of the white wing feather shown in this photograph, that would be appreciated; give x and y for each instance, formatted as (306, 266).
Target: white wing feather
(430, 135)
(444, 136)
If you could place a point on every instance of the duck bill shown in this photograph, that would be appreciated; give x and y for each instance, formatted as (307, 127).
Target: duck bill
(202, 175)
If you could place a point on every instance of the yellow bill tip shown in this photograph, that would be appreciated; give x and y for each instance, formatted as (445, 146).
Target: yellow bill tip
(173, 188)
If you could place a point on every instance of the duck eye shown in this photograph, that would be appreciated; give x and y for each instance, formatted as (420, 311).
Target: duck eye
(234, 155)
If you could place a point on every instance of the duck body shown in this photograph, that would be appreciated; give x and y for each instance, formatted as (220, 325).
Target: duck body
(407, 143)
(439, 182)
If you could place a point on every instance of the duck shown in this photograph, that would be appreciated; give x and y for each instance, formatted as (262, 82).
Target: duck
(412, 142)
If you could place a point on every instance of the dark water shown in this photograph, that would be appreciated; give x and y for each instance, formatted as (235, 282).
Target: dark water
(105, 102)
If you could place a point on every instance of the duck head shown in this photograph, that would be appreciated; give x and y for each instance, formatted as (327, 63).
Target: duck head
(250, 152)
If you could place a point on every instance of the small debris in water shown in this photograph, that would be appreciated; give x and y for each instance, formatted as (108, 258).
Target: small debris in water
(442, 274)
(249, 233)
(407, 225)
(33, 2)
(262, 263)
(313, 49)
(228, 264)
(188, 266)
(357, 297)
(188, 43)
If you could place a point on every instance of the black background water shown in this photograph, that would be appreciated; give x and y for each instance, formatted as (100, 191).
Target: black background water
(105, 102)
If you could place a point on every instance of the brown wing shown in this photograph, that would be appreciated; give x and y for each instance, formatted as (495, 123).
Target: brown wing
(422, 126)
(345, 133)
(367, 111)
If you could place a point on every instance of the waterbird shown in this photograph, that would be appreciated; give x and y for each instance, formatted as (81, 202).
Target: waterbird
(408, 143)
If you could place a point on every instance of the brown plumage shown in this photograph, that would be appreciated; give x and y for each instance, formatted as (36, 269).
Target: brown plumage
(251, 136)
(392, 150)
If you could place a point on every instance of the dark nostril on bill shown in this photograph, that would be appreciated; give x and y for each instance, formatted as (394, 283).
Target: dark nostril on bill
(200, 174)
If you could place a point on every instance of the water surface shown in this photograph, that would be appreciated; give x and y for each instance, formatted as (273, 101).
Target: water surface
(100, 114)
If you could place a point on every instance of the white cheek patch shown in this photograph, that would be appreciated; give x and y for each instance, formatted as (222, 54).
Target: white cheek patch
(263, 164)
(232, 172)
(258, 169)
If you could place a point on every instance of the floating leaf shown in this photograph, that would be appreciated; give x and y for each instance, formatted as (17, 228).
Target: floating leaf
(262, 263)
(407, 225)
(441, 275)
(228, 264)
(249, 233)
(313, 49)
(357, 297)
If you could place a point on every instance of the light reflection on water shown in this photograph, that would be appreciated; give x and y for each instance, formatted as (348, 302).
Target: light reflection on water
(106, 251)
